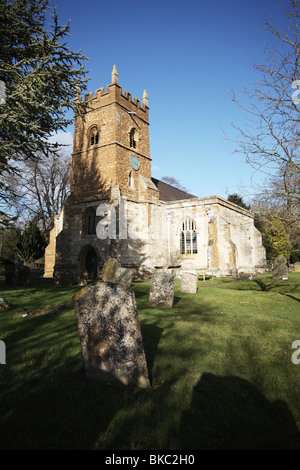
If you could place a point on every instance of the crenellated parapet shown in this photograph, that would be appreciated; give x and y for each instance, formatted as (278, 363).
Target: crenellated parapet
(114, 94)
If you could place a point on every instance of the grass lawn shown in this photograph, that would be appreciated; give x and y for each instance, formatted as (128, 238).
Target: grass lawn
(219, 361)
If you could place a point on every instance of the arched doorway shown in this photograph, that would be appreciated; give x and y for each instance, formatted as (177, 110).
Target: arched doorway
(91, 263)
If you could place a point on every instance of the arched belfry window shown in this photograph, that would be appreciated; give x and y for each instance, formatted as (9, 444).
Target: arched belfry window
(94, 136)
(133, 138)
(89, 222)
(188, 237)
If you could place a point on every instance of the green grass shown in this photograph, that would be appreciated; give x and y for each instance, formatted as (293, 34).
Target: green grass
(219, 361)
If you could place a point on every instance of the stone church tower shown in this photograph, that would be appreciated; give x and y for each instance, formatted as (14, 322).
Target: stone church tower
(117, 209)
(111, 144)
(110, 160)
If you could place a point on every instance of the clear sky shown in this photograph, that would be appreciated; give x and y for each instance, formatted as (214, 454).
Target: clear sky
(188, 55)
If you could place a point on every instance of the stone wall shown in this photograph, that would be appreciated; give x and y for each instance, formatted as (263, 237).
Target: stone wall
(227, 241)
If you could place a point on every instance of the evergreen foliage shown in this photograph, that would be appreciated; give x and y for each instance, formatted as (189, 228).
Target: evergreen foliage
(275, 238)
(41, 77)
(238, 200)
(28, 244)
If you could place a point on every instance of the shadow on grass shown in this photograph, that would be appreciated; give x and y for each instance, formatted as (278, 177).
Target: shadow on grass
(231, 413)
(281, 287)
(46, 400)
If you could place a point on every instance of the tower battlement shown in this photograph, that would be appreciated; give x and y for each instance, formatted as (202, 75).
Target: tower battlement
(110, 143)
(114, 93)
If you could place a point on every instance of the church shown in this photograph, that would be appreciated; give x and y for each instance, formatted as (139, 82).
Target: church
(117, 209)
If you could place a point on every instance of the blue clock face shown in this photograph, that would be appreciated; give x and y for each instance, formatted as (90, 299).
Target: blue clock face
(134, 163)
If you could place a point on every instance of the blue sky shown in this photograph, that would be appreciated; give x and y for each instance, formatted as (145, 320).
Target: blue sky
(188, 55)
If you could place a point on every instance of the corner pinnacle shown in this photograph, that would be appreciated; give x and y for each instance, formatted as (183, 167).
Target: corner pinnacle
(145, 98)
(114, 76)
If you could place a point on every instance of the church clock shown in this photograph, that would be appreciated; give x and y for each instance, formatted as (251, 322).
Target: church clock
(134, 162)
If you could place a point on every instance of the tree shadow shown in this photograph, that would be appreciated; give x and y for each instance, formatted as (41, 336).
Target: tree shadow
(286, 286)
(262, 285)
(230, 413)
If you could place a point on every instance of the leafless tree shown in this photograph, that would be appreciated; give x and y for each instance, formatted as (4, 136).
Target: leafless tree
(270, 140)
(174, 182)
(39, 188)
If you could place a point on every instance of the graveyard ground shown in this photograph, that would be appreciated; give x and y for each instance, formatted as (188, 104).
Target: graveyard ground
(220, 363)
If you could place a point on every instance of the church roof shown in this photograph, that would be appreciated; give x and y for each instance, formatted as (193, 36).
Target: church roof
(170, 193)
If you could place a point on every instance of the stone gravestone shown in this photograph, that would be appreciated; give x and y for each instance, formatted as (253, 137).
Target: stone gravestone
(280, 269)
(123, 277)
(162, 290)
(189, 282)
(110, 335)
(297, 267)
(109, 269)
(113, 272)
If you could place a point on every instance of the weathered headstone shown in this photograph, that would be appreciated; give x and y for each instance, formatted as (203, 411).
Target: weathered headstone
(189, 282)
(123, 277)
(110, 335)
(162, 290)
(109, 269)
(280, 269)
(297, 267)
(113, 272)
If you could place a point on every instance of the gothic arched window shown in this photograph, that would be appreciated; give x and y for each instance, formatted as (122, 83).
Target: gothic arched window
(188, 237)
(133, 138)
(93, 136)
(89, 222)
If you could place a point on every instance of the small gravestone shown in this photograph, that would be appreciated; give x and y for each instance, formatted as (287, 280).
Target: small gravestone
(297, 267)
(109, 269)
(189, 282)
(162, 290)
(280, 269)
(110, 335)
(113, 272)
(123, 277)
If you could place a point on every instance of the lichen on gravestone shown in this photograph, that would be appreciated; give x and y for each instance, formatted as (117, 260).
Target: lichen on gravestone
(109, 269)
(162, 290)
(110, 335)
(123, 277)
(113, 272)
